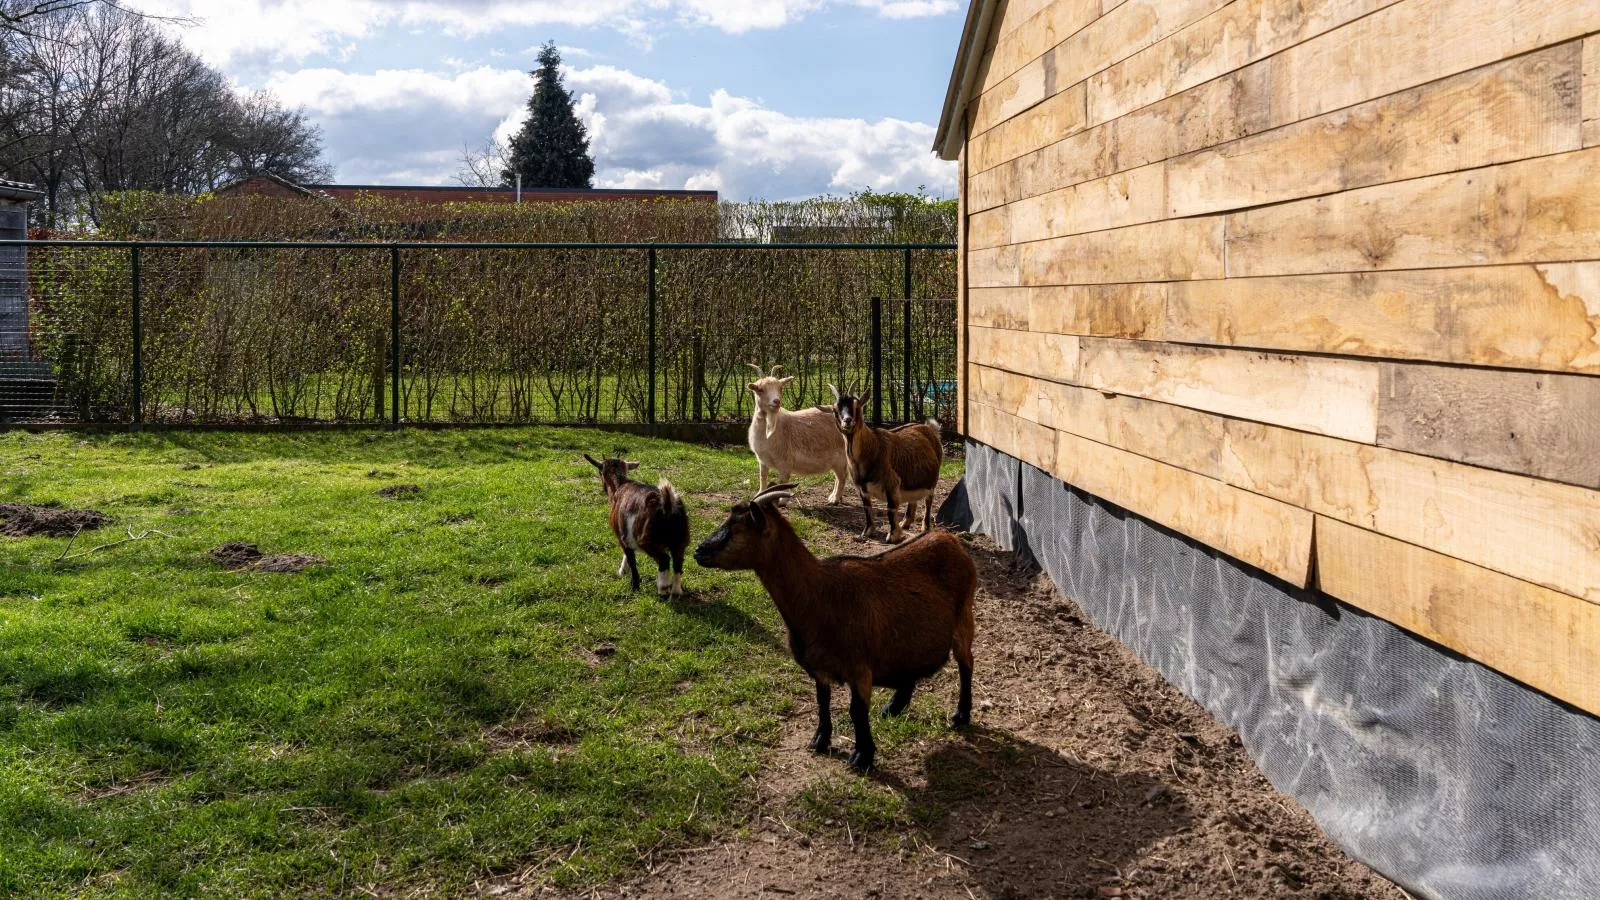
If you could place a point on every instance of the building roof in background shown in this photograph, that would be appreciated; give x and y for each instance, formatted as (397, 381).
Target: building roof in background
(964, 76)
(17, 190)
(272, 185)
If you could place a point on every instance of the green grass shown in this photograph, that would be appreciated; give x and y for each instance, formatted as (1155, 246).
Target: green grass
(465, 689)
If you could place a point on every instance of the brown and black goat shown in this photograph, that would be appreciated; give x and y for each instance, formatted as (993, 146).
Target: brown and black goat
(879, 621)
(895, 465)
(648, 520)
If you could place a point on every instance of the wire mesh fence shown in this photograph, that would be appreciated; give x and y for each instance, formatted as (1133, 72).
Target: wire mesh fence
(191, 333)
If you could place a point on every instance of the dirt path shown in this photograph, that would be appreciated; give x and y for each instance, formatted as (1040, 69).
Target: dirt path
(1086, 775)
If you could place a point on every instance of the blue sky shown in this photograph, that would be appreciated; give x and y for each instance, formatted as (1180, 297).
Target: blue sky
(756, 98)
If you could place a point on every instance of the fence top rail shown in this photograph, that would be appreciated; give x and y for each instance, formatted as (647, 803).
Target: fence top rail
(450, 245)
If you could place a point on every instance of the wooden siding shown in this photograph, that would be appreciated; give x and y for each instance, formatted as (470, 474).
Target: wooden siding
(1316, 283)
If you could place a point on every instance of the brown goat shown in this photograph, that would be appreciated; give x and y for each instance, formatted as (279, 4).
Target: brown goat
(646, 519)
(895, 465)
(881, 621)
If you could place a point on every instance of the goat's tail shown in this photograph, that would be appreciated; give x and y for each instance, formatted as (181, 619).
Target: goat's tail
(671, 503)
(934, 424)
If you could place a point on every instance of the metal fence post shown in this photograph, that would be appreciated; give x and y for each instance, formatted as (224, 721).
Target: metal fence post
(650, 406)
(138, 341)
(877, 361)
(394, 336)
(905, 272)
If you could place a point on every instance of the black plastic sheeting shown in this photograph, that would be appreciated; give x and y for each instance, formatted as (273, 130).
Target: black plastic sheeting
(1445, 776)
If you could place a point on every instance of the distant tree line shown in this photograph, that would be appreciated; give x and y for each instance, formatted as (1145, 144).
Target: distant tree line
(95, 98)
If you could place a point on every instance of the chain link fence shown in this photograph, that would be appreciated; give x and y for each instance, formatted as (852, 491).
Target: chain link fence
(197, 333)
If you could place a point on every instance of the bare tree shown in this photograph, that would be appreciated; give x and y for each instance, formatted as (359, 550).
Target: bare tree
(485, 166)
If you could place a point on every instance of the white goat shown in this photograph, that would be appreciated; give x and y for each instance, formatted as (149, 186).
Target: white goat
(799, 442)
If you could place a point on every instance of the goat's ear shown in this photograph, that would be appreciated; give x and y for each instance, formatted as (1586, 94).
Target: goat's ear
(754, 389)
(592, 462)
(632, 466)
(835, 389)
(866, 397)
(758, 517)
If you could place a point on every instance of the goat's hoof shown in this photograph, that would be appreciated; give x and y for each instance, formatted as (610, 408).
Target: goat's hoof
(860, 762)
(961, 720)
(821, 743)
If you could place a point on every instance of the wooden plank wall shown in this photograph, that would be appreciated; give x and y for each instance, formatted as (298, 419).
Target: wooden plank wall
(1315, 282)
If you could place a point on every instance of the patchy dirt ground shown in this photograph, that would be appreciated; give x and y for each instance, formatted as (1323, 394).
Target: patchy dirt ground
(241, 557)
(21, 520)
(1085, 775)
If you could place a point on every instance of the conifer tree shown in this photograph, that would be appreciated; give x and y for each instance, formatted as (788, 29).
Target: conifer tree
(552, 149)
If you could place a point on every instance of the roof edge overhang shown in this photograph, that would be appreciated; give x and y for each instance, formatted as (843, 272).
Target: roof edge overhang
(16, 190)
(969, 59)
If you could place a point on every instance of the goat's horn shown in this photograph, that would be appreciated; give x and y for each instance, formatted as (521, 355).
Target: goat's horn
(776, 489)
(757, 368)
(776, 369)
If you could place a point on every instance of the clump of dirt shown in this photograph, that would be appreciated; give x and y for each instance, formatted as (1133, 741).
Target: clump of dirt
(1085, 774)
(242, 557)
(21, 520)
(395, 491)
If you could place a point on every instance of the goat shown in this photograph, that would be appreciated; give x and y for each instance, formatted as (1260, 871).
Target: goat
(881, 621)
(802, 442)
(649, 519)
(895, 465)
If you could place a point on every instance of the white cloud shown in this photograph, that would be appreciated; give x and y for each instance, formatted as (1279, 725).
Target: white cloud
(408, 126)
(228, 32)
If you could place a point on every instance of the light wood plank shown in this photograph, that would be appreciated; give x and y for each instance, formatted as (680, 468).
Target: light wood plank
(1533, 317)
(1008, 392)
(1028, 441)
(999, 308)
(1160, 251)
(1108, 5)
(1418, 41)
(1540, 210)
(1101, 310)
(1126, 198)
(1028, 39)
(1591, 92)
(990, 228)
(1230, 38)
(1269, 535)
(1547, 426)
(1538, 531)
(1023, 89)
(1547, 640)
(1058, 117)
(996, 267)
(1026, 352)
(1336, 397)
(963, 294)
(1522, 108)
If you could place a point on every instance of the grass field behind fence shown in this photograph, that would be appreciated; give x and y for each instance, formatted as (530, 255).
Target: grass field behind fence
(465, 690)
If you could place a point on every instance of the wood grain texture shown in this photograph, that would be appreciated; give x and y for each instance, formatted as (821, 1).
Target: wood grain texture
(963, 294)
(1269, 535)
(998, 308)
(1591, 92)
(1543, 425)
(1160, 251)
(1547, 640)
(1230, 38)
(1028, 441)
(1526, 107)
(1055, 118)
(1418, 41)
(1022, 90)
(1539, 210)
(1126, 198)
(1030, 353)
(1532, 317)
(1336, 397)
(1120, 33)
(1535, 530)
(1023, 40)
(1101, 310)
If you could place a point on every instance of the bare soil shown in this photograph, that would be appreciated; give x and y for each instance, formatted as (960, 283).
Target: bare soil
(1085, 775)
(241, 557)
(21, 520)
(395, 491)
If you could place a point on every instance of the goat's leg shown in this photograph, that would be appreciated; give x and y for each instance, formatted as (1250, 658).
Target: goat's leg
(632, 565)
(900, 700)
(764, 471)
(910, 518)
(622, 567)
(927, 512)
(838, 487)
(891, 498)
(823, 739)
(866, 506)
(663, 573)
(677, 572)
(861, 717)
(963, 653)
